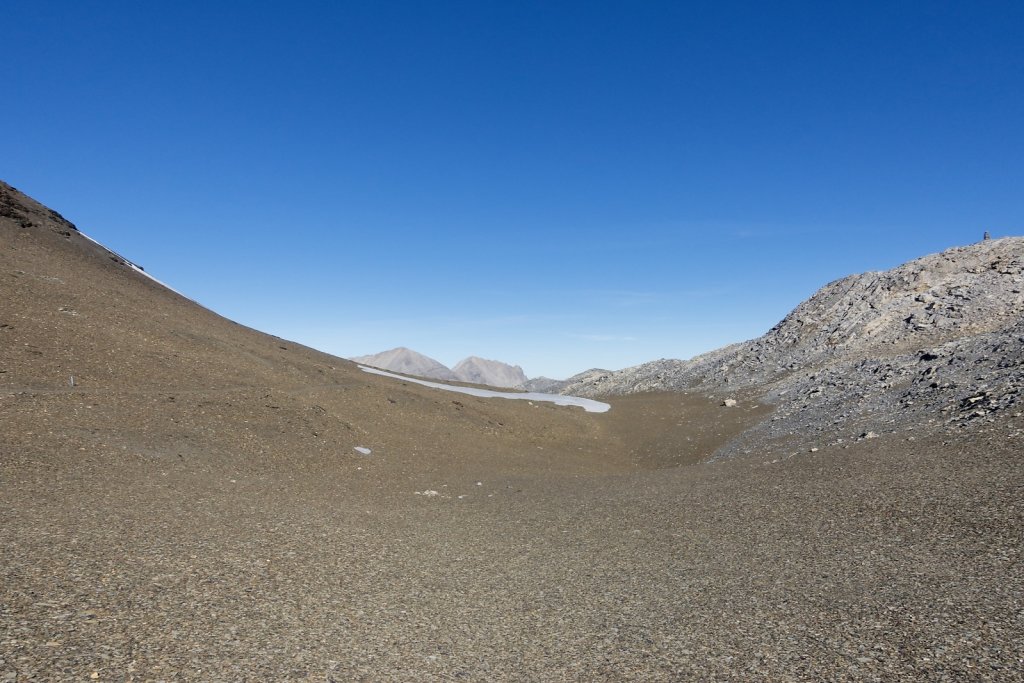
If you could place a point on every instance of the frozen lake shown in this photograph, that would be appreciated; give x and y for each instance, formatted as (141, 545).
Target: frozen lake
(585, 403)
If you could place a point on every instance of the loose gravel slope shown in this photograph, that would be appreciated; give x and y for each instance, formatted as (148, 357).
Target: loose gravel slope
(193, 509)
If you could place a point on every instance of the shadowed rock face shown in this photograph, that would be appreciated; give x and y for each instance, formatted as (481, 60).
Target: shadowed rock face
(27, 213)
(408, 362)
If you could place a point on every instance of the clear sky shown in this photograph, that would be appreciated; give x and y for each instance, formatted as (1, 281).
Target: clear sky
(555, 184)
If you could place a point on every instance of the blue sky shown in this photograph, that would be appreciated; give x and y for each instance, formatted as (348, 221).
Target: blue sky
(558, 185)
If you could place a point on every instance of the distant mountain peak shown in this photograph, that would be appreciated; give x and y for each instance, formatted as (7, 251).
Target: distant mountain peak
(493, 373)
(474, 370)
(408, 362)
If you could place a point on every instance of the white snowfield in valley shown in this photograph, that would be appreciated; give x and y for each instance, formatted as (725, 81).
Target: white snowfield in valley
(587, 404)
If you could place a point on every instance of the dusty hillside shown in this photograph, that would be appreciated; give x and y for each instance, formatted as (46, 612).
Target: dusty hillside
(193, 509)
(74, 310)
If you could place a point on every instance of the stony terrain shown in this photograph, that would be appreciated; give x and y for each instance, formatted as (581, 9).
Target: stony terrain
(936, 342)
(544, 385)
(192, 508)
(580, 382)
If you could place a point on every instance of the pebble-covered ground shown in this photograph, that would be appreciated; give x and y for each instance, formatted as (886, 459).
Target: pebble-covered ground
(183, 499)
(888, 560)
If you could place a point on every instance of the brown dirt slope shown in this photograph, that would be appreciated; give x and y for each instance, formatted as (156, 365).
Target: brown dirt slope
(193, 509)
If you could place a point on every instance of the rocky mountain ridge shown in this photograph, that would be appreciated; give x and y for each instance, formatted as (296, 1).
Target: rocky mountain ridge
(937, 339)
(548, 385)
(476, 370)
(473, 369)
(407, 362)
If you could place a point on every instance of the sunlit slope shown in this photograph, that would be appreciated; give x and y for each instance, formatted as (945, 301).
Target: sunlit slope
(80, 321)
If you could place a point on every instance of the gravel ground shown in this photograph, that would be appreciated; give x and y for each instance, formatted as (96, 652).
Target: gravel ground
(889, 560)
(194, 509)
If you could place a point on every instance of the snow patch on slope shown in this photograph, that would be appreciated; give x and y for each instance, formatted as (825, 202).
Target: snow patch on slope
(131, 265)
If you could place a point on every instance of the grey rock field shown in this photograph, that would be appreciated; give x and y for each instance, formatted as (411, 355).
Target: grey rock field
(544, 385)
(933, 343)
(192, 507)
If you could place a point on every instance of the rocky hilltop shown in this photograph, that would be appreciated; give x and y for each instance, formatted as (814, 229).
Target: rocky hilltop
(939, 338)
(548, 385)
